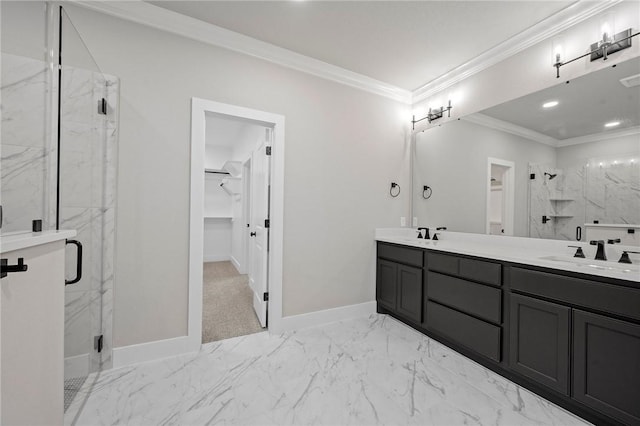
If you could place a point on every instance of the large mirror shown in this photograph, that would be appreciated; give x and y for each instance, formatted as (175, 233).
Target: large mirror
(552, 164)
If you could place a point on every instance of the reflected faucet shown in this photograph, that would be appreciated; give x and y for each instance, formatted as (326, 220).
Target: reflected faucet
(600, 253)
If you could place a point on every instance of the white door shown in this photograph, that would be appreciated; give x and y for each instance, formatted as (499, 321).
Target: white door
(259, 233)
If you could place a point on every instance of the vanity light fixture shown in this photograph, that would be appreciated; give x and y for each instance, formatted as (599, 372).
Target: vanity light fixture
(612, 124)
(607, 45)
(432, 115)
(550, 104)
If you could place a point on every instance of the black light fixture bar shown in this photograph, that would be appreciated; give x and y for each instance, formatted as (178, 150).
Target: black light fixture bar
(601, 49)
(432, 115)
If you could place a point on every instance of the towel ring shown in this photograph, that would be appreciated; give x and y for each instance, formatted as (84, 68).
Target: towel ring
(426, 192)
(394, 185)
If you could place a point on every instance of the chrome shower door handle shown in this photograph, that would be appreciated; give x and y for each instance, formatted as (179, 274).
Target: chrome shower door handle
(79, 263)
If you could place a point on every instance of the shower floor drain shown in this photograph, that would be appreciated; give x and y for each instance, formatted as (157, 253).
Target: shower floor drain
(71, 388)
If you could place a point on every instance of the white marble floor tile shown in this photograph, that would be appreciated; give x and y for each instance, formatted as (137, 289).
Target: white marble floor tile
(365, 371)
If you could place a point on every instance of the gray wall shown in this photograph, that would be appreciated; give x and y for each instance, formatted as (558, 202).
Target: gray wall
(343, 147)
(452, 160)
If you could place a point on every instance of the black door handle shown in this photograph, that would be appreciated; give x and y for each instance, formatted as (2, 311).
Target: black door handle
(5, 268)
(252, 234)
(79, 264)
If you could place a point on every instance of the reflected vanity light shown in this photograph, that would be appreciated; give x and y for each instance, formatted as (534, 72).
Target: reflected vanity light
(609, 43)
(612, 124)
(550, 104)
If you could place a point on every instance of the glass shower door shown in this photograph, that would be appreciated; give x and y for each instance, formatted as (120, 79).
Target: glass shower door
(86, 200)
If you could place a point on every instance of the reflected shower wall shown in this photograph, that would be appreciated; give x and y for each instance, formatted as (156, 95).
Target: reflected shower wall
(606, 190)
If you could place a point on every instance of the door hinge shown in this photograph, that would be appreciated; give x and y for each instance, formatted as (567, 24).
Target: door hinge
(102, 106)
(267, 223)
(98, 342)
(265, 296)
(268, 150)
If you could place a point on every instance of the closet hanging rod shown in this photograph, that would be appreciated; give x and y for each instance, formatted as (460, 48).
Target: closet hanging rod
(217, 172)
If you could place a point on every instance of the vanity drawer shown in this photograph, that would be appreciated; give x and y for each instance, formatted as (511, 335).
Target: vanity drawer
(608, 298)
(406, 255)
(443, 263)
(476, 299)
(477, 335)
(481, 271)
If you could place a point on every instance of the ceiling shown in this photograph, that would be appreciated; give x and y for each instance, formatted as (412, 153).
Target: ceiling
(403, 43)
(584, 105)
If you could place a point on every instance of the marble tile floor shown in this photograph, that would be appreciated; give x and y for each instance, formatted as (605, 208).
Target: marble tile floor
(365, 371)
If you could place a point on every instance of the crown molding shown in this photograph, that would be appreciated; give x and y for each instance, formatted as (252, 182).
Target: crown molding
(611, 134)
(156, 17)
(505, 126)
(555, 24)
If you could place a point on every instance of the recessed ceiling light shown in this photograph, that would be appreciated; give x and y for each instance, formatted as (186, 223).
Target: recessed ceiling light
(612, 124)
(550, 104)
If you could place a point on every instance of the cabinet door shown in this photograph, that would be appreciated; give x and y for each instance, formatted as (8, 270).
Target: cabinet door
(386, 291)
(539, 341)
(410, 292)
(606, 365)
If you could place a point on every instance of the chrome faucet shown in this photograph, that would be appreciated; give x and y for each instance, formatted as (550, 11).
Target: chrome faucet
(600, 253)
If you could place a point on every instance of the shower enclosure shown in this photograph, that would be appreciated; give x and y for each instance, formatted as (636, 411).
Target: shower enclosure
(601, 190)
(58, 162)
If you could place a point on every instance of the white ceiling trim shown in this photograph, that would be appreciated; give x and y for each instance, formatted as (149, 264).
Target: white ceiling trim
(176, 23)
(505, 126)
(549, 27)
(611, 134)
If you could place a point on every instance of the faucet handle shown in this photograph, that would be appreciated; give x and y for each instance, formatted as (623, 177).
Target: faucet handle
(579, 252)
(595, 242)
(426, 233)
(625, 256)
(613, 241)
(441, 228)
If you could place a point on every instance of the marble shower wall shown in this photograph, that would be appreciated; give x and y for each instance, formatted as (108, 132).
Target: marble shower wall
(601, 189)
(25, 146)
(87, 203)
(613, 191)
(87, 191)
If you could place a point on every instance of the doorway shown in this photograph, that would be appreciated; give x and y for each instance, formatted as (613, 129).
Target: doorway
(500, 197)
(235, 265)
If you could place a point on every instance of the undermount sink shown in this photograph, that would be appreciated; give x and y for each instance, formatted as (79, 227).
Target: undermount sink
(595, 264)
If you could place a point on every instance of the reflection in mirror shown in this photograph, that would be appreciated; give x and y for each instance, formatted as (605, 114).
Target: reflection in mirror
(575, 150)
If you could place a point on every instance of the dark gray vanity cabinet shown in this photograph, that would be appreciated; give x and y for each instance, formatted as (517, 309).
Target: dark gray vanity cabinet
(606, 365)
(572, 338)
(399, 281)
(386, 287)
(464, 302)
(539, 341)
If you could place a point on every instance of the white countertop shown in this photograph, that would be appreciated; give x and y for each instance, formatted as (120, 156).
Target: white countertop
(553, 254)
(21, 240)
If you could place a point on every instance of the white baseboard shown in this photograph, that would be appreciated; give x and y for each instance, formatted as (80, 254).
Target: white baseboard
(134, 354)
(313, 319)
(216, 258)
(236, 264)
(76, 366)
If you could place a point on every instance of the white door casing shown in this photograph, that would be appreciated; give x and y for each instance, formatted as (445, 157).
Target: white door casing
(259, 236)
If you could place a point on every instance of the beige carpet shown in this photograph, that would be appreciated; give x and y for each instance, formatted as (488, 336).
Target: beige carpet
(227, 303)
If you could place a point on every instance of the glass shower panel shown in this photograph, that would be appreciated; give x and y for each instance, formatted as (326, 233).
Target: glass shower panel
(88, 101)
(25, 149)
